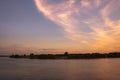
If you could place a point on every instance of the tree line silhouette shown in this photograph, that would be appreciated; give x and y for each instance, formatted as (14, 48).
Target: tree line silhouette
(66, 55)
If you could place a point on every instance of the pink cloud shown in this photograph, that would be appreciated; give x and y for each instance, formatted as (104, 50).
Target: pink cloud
(87, 21)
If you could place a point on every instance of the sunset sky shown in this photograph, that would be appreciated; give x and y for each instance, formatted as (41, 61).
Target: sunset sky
(56, 26)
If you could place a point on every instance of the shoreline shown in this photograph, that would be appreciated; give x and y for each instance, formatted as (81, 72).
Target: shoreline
(68, 56)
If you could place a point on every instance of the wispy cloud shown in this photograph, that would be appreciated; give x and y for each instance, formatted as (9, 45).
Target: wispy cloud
(96, 23)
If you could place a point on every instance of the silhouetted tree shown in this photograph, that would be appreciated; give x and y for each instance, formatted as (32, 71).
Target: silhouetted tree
(66, 53)
(31, 55)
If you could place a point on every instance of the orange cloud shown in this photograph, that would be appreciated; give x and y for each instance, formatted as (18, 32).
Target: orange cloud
(89, 22)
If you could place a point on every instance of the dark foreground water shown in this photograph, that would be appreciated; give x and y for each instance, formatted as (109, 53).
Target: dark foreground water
(33, 69)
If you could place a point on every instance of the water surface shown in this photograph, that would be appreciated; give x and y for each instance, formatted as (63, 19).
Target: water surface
(82, 69)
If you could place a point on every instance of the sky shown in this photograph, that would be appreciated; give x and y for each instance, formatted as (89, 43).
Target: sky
(56, 26)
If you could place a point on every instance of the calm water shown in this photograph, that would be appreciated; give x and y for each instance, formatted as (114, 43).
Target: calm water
(28, 69)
